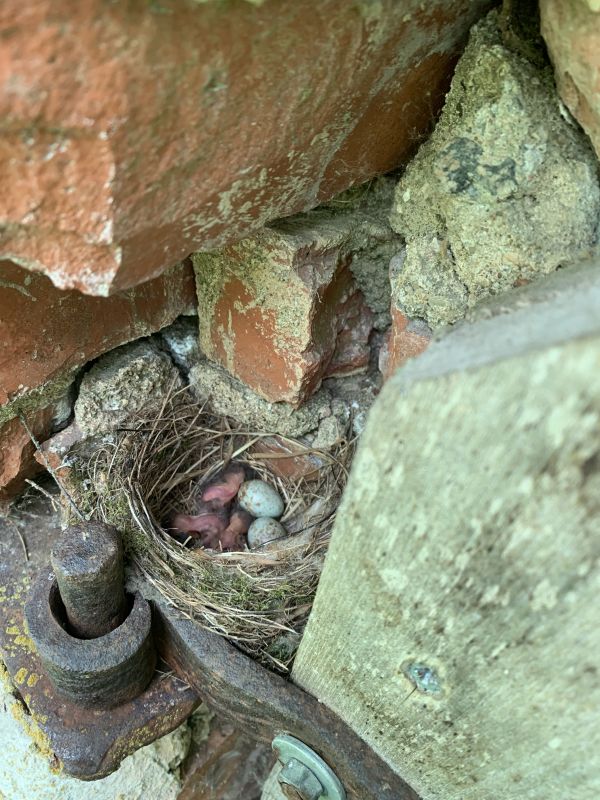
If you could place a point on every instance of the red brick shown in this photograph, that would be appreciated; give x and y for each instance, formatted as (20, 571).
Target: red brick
(406, 339)
(55, 449)
(45, 332)
(135, 133)
(17, 452)
(571, 29)
(46, 335)
(281, 310)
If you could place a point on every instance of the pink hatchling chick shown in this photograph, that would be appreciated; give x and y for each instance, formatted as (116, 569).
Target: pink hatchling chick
(196, 524)
(225, 487)
(232, 537)
(211, 523)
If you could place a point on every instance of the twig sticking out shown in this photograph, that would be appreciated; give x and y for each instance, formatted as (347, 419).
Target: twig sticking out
(50, 469)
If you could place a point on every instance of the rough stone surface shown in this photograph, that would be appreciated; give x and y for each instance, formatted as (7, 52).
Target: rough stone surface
(330, 432)
(283, 309)
(571, 29)
(181, 340)
(229, 396)
(25, 773)
(136, 133)
(121, 383)
(46, 335)
(373, 243)
(505, 190)
(353, 396)
(462, 576)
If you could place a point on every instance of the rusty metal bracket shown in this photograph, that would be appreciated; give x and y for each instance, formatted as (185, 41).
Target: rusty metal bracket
(88, 743)
(91, 742)
(103, 672)
(264, 705)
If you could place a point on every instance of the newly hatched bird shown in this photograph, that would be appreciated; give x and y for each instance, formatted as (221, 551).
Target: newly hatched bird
(212, 525)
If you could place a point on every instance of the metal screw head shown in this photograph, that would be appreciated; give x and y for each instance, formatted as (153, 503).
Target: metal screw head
(305, 776)
(298, 782)
(425, 678)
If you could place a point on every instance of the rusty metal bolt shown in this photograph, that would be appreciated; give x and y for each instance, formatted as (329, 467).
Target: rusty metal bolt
(95, 646)
(88, 564)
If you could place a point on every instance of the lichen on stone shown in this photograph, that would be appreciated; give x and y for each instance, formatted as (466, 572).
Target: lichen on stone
(505, 190)
(181, 341)
(122, 382)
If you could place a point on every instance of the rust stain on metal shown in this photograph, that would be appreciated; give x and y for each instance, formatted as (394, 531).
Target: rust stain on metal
(85, 743)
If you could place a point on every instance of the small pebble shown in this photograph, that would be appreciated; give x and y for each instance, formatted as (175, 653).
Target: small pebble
(264, 530)
(260, 499)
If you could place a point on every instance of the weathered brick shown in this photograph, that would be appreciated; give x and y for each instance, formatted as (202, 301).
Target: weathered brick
(405, 339)
(46, 335)
(45, 332)
(134, 133)
(55, 450)
(282, 310)
(571, 29)
(227, 395)
(287, 460)
(17, 452)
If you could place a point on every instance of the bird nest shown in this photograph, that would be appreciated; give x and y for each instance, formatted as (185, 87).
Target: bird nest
(155, 466)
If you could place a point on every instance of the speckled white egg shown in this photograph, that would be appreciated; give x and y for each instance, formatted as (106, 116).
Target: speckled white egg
(260, 499)
(264, 530)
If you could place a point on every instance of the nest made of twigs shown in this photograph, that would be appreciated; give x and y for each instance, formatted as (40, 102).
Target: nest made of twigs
(153, 466)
